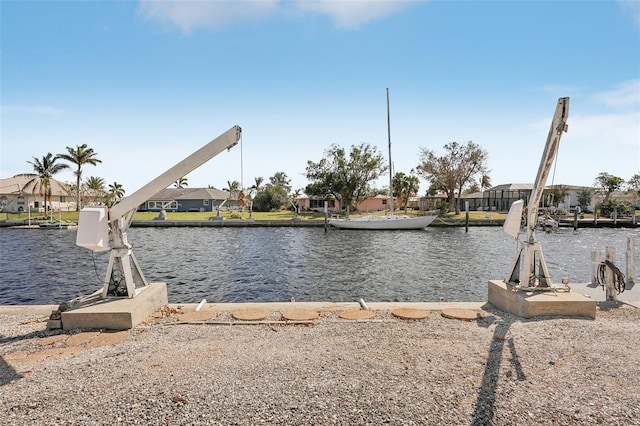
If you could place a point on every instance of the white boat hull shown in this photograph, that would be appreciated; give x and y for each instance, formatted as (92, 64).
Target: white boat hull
(383, 222)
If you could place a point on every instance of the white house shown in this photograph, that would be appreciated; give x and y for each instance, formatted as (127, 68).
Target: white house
(16, 196)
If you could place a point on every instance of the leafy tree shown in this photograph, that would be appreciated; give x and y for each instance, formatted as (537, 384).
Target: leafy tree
(556, 194)
(274, 195)
(79, 156)
(345, 178)
(116, 191)
(45, 168)
(584, 199)
(474, 187)
(452, 172)
(620, 207)
(608, 184)
(181, 183)
(633, 184)
(280, 179)
(404, 187)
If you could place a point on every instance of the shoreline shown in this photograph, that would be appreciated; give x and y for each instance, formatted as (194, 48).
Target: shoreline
(318, 223)
(498, 369)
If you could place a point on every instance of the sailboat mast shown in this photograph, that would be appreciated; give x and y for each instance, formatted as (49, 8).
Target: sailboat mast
(390, 162)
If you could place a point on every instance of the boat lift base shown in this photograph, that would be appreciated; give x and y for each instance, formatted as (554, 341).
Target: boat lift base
(116, 313)
(529, 304)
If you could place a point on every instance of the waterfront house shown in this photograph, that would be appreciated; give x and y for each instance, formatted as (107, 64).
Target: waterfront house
(189, 200)
(16, 196)
(500, 197)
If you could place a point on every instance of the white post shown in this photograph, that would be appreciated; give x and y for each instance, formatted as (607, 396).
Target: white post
(631, 260)
(610, 277)
(596, 260)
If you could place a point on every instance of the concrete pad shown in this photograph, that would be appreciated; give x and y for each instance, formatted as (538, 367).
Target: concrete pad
(537, 304)
(357, 314)
(116, 313)
(204, 314)
(461, 314)
(250, 314)
(301, 315)
(410, 313)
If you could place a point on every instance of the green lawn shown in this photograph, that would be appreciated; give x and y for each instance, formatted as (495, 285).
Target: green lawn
(73, 216)
(280, 215)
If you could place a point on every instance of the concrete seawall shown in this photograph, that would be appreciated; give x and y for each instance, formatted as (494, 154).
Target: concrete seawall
(317, 223)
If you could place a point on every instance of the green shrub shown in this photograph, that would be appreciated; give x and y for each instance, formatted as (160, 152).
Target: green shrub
(623, 208)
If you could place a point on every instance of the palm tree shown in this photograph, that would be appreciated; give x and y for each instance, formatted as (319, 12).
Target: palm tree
(181, 183)
(233, 188)
(258, 183)
(80, 155)
(116, 191)
(253, 191)
(45, 169)
(95, 185)
(485, 182)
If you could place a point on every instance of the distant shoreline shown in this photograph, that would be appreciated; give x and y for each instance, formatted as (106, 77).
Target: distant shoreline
(316, 223)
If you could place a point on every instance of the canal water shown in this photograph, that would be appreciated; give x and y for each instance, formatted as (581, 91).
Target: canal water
(275, 264)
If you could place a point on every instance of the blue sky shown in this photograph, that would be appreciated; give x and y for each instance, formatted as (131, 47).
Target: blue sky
(147, 83)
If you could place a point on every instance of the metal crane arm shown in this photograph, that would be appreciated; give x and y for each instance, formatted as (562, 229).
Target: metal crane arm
(558, 126)
(124, 276)
(529, 257)
(225, 141)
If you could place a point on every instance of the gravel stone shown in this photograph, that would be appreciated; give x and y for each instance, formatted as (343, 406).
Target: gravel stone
(498, 370)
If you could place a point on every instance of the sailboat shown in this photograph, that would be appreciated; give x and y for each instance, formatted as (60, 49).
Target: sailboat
(391, 222)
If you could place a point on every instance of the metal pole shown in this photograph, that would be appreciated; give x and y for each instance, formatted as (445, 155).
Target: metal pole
(596, 260)
(326, 212)
(631, 260)
(390, 163)
(466, 216)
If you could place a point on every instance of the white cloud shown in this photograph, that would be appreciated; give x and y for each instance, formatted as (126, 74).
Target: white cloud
(189, 15)
(633, 6)
(607, 130)
(625, 94)
(352, 14)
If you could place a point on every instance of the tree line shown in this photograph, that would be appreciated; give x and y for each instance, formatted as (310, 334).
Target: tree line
(347, 176)
(80, 155)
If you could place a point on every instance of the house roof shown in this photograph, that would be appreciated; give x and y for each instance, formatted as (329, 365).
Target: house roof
(16, 186)
(513, 187)
(191, 194)
(472, 195)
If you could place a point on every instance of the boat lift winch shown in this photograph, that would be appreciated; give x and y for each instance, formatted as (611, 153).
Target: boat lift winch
(105, 228)
(529, 271)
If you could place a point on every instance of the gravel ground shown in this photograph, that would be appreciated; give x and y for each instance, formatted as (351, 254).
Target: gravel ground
(500, 370)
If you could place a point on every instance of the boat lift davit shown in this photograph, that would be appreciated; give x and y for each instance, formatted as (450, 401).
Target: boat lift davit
(529, 271)
(124, 277)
